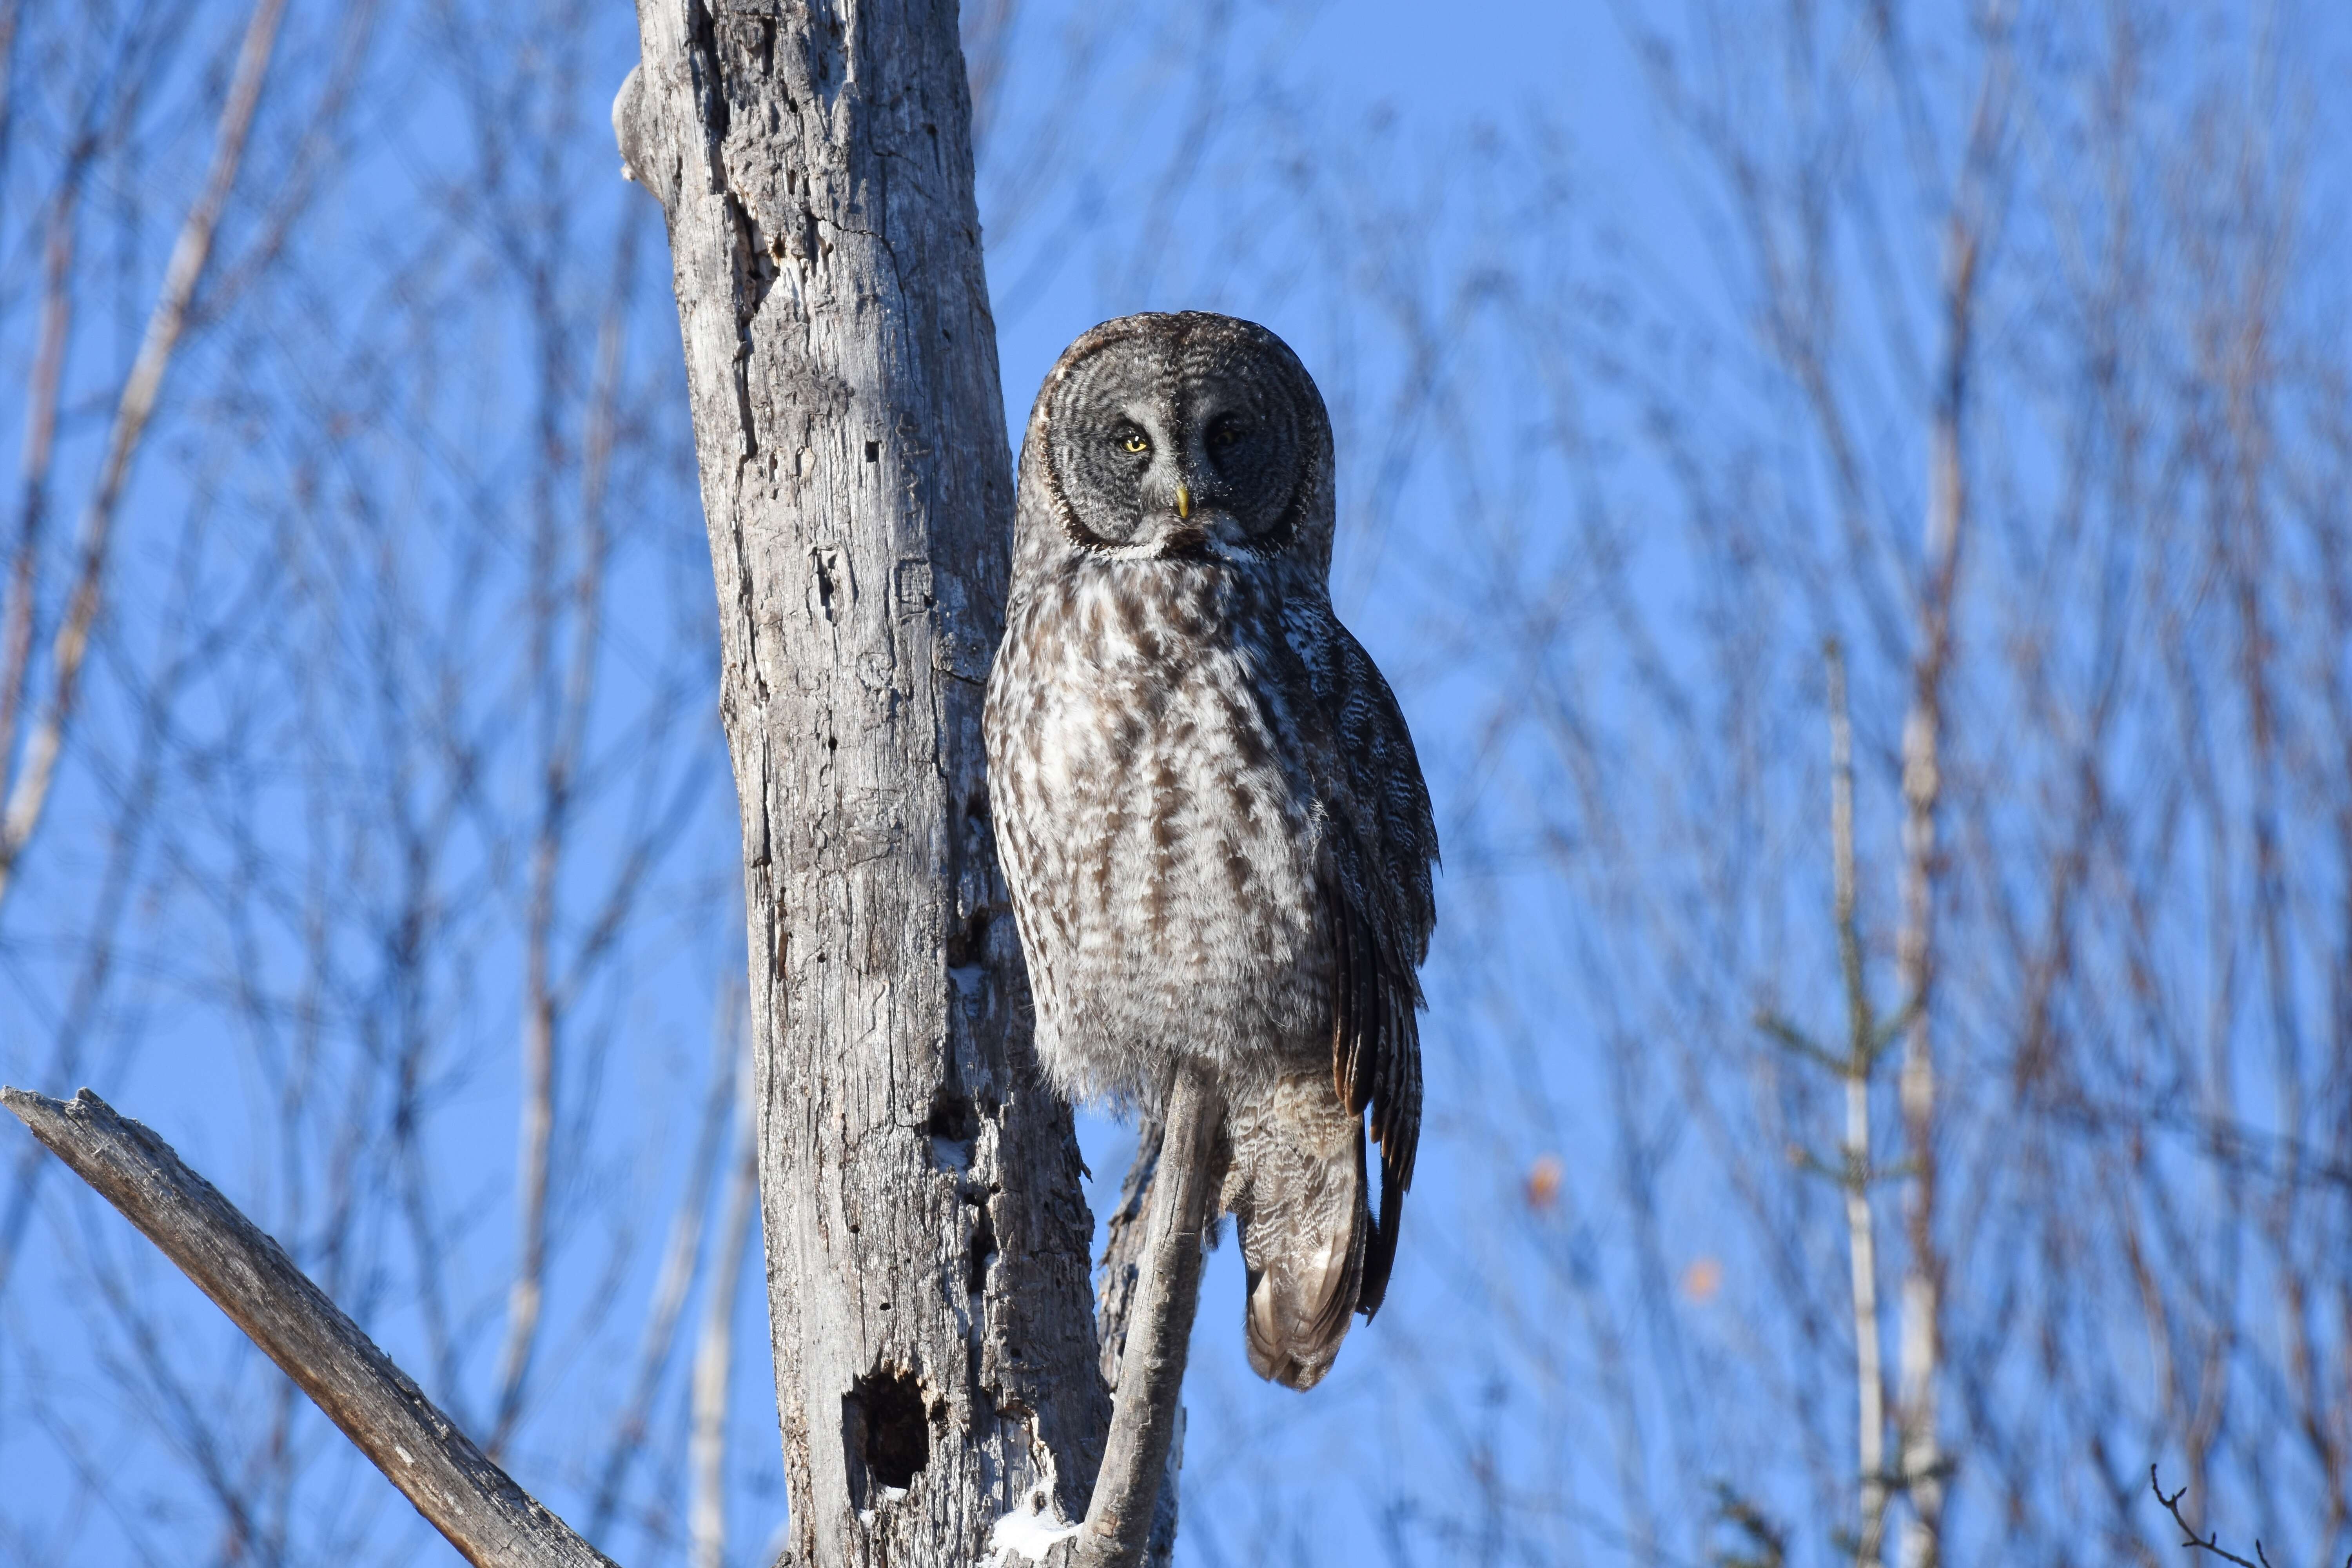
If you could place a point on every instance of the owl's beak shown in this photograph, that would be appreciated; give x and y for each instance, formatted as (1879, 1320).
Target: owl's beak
(1183, 502)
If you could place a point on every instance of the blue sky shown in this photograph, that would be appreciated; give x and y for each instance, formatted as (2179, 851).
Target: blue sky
(1587, 528)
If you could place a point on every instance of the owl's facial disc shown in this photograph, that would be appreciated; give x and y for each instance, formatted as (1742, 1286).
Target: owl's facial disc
(1180, 448)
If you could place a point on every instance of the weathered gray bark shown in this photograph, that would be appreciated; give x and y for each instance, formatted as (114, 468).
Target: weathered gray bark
(1125, 1257)
(457, 1490)
(926, 1234)
(1123, 1514)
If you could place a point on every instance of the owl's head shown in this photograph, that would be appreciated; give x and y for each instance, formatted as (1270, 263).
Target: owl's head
(1182, 437)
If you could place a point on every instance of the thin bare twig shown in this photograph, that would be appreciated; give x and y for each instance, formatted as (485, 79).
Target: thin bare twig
(29, 793)
(727, 1101)
(40, 453)
(2212, 1541)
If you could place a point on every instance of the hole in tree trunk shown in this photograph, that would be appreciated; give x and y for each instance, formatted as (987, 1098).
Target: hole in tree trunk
(984, 1253)
(952, 1118)
(953, 1126)
(968, 943)
(887, 1435)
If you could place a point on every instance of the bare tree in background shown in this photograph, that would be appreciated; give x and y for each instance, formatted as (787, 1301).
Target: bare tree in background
(2005, 355)
(1856, 1171)
(350, 737)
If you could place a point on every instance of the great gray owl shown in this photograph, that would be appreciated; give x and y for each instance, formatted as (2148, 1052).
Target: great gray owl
(1207, 805)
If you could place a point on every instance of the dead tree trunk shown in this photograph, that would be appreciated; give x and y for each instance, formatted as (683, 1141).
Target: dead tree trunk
(925, 1235)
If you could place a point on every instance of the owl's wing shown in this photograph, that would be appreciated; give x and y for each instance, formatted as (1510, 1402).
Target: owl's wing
(1380, 908)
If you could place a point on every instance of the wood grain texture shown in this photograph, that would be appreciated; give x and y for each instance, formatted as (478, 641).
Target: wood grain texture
(927, 1235)
(1159, 1329)
(1119, 1284)
(494, 1522)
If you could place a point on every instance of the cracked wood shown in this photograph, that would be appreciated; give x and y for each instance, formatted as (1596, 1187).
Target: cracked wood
(925, 1233)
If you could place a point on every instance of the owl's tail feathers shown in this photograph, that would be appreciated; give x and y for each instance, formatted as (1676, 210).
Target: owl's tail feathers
(1305, 1233)
(1380, 1252)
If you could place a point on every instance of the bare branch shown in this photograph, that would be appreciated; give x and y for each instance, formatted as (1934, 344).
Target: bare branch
(1126, 1252)
(681, 1257)
(1796, 1041)
(1152, 1372)
(1862, 1244)
(1920, 1455)
(28, 792)
(473, 1502)
(39, 452)
(2211, 1541)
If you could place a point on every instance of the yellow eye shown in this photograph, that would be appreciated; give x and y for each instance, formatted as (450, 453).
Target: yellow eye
(1226, 433)
(1135, 442)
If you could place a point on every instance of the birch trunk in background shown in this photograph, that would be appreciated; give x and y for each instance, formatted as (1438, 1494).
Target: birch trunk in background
(1921, 1459)
(925, 1233)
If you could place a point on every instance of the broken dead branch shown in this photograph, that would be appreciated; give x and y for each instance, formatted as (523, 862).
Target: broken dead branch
(473, 1502)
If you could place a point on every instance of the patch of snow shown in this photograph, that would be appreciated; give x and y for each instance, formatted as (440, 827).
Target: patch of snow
(1030, 1530)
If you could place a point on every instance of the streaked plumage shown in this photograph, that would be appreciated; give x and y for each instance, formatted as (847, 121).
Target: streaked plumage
(1208, 806)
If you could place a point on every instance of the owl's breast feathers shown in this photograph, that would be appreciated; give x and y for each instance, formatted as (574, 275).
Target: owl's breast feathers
(1218, 840)
(1157, 819)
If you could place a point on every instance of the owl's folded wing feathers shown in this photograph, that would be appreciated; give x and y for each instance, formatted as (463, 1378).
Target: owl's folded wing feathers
(1381, 846)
